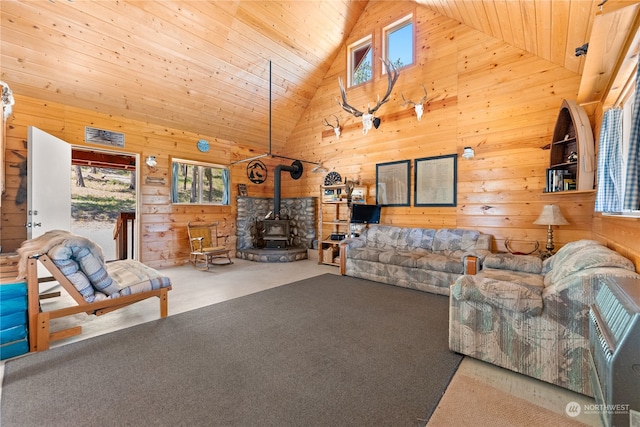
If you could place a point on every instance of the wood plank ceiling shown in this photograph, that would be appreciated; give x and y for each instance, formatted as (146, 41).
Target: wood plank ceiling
(205, 66)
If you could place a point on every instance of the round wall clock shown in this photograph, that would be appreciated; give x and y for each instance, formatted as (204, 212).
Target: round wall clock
(203, 145)
(332, 178)
(256, 172)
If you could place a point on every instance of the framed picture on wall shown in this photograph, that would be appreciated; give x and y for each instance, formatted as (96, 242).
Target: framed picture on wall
(435, 181)
(393, 181)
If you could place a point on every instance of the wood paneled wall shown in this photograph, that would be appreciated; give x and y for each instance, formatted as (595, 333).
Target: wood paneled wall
(498, 99)
(163, 233)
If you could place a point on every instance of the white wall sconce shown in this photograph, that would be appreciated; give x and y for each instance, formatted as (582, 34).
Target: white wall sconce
(468, 153)
(151, 161)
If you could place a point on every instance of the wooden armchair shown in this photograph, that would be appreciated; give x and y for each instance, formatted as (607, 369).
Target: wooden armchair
(96, 287)
(205, 247)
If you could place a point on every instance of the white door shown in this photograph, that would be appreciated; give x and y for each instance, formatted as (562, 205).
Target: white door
(48, 183)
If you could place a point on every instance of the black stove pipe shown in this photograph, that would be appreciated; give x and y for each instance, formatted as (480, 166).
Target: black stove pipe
(296, 172)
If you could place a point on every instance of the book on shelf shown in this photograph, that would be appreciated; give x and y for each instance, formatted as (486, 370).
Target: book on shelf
(559, 180)
(569, 184)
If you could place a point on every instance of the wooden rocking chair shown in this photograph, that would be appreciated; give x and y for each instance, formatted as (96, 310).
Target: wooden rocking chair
(205, 248)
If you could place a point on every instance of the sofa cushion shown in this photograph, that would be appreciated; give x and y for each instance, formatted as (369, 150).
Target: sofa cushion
(71, 270)
(399, 238)
(505, 295)
(403, 258)
(447, 239)
(132, 277)
(441, 262)
(366, 253)
(90, 262)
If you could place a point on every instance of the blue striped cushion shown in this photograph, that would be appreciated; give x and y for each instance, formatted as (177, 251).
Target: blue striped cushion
(82, 262)
(71, 270)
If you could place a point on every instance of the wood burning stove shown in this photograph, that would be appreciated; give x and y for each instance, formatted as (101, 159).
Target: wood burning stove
(275, 233)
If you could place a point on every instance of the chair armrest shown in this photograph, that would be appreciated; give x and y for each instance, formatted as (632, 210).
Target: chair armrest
(344, 245)
(498, 293)
(353, 242)
(343, 259)
(198, 241)
(522, 263)
(471, 265)
(473, 260)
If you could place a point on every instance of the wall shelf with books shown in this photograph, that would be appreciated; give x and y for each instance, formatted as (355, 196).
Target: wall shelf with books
(571, 158)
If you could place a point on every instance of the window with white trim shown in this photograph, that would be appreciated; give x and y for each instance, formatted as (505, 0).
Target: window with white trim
(398, 42)
(199, 183)
(359, 61)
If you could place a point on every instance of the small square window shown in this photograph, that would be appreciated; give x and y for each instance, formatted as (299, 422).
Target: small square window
(360, 61)
(399, 42)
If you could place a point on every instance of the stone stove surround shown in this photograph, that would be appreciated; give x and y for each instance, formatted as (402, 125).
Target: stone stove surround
(299, 211)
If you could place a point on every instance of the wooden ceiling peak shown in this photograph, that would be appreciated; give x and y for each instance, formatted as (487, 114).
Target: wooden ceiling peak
(203, 66)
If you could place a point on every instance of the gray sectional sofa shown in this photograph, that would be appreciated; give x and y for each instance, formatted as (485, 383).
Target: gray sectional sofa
(420, 258)
(531, 316)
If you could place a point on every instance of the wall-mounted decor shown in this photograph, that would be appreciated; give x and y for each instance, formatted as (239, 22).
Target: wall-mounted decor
(256, 172)
(392, 183)
(154, 180)
(368, 118)
(418, 107)
(336, 127)
(203, 145)
(435, 181)
(332, 178)
(242, 189)
(103, 137)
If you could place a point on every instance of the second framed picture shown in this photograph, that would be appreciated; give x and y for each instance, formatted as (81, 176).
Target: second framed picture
(435, 181)
(393, 182)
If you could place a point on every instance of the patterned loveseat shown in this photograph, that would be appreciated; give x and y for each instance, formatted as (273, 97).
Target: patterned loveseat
(420, 258)
(533, 317)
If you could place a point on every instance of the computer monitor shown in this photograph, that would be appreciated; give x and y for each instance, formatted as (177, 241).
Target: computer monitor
(365, 214)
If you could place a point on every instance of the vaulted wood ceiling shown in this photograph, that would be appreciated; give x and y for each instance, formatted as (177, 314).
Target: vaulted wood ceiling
(205, 66)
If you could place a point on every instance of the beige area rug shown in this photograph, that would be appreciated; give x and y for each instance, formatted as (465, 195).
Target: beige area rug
(470, 402)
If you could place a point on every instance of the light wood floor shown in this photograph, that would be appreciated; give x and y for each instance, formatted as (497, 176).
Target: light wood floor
(194, 289)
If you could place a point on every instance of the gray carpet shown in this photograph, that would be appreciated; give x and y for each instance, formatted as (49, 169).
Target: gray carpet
(325, 351)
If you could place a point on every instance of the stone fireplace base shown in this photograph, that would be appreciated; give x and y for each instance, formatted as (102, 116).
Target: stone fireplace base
(288, 245)
(289, 254)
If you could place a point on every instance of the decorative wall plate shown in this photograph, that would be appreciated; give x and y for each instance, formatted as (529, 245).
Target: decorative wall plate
(203, 145)
(332, 178)
(256, 172)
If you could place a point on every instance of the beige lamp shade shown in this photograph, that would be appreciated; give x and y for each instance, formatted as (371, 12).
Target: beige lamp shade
(551, 215)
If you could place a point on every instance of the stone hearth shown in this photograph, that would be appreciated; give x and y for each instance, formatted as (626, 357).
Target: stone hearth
(272, 255)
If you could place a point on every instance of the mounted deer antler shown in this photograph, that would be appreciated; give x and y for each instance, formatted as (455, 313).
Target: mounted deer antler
(335, 128)
(417, 106)
(367, 118)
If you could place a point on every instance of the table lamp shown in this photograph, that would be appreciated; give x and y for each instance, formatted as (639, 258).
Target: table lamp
(550, 216)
